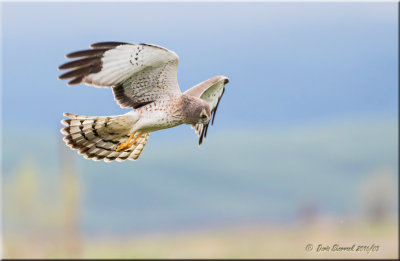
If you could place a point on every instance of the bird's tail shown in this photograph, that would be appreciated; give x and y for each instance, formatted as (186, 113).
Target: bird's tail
(98, 138)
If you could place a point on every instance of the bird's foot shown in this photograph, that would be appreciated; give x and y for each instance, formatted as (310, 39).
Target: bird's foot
(123, 146)
(127, 144)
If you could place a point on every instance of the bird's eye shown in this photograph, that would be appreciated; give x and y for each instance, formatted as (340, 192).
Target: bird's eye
(203, 116)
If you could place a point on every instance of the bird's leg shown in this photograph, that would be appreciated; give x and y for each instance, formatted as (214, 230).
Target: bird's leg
(133, 142)
(126, 145)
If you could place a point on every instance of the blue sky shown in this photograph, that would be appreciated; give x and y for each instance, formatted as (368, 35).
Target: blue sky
(289, 63)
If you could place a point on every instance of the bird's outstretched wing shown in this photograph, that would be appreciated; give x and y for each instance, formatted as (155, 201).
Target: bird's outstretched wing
(138, 73)
(210, 91)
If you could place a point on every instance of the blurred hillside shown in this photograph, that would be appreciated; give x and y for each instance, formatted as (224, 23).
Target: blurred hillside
(261, 180)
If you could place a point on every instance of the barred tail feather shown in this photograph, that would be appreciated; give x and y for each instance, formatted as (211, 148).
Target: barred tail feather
(97, 138)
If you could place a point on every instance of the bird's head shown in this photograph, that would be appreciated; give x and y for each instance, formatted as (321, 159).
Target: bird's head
(195, 110)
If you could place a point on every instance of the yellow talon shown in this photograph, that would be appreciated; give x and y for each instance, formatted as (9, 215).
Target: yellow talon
(133, 142)
(126, 145)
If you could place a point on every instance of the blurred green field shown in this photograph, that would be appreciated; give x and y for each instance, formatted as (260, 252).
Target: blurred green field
(241, 242)
(322, 185)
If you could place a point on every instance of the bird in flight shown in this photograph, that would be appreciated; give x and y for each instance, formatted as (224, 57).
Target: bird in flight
(143, 77)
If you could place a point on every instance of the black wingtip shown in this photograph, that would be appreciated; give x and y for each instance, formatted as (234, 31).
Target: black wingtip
(106, 44)
(205, 130)
(203, 134)
(79, 63)
(98, 52)
(76, 81)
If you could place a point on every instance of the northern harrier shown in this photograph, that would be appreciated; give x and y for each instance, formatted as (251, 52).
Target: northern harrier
(143, 77)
